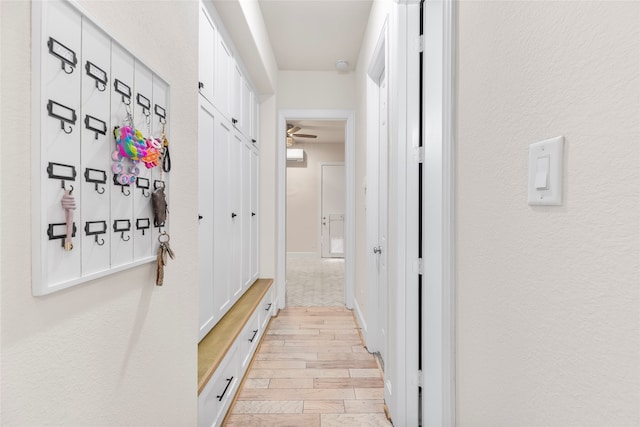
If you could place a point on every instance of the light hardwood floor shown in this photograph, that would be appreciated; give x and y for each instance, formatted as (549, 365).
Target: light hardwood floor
(311, 370)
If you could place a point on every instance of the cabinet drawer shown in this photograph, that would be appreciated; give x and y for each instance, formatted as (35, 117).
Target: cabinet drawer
(266, 308)
(249, 338)
(219, 391)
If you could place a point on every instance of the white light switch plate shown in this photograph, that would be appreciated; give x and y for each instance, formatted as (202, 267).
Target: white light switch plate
(538, 153)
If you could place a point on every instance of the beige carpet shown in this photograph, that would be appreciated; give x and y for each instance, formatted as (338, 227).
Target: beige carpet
(315, 282)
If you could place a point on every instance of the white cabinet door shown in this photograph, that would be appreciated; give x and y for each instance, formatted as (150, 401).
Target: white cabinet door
(245, 108)
(235, 191)
(236, 96)
(207, 52)
(223, 270)
(246, 215)
(206, 235)
(223, 80)
(254, 215)
(255, 118)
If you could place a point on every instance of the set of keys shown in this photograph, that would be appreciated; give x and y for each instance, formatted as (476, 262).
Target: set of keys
(163, 251)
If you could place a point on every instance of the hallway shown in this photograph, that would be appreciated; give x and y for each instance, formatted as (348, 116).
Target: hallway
(311, 370)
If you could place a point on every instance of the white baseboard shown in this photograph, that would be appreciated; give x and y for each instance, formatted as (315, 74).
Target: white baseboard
(360, 320)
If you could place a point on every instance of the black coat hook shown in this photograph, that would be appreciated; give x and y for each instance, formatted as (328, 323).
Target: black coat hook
(99, 242)
(63, 186)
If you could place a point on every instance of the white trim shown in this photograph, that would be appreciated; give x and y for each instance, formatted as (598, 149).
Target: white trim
(349, 160)
(361, 321)
(403, 213)
(438, 359)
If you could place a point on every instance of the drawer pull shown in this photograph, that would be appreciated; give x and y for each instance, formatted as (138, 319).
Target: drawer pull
(255, 332)
(268, 307)
(229, 380)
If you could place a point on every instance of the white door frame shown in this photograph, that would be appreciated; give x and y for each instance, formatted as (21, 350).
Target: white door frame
(349, 220)
(438, 298)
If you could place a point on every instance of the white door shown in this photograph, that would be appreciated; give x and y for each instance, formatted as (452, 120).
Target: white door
(332, 210)
(383, 188)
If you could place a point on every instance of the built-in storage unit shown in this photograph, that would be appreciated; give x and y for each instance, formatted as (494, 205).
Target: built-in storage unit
(224, 355)
(228, 221)
(228, 176)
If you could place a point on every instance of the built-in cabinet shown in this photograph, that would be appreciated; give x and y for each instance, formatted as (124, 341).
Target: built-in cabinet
(228, 177)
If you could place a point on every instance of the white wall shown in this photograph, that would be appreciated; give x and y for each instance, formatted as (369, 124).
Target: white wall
(303, 195)
(268, 163)
(316, 90)
(118, 350)
(548, 330)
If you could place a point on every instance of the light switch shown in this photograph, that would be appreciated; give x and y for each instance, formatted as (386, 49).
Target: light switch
(542, 173)
(545, 172)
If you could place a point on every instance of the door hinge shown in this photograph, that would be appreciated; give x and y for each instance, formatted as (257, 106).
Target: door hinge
(418, 268)
(419, 154)
(420, 43)
(419, 378)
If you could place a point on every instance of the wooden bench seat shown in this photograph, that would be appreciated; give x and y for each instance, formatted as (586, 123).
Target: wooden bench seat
(215, 345)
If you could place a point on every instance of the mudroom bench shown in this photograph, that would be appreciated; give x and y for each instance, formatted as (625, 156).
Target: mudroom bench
(225, 353)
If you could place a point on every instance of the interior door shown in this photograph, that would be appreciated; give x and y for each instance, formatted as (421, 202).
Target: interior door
(383, 196)
(332, 210)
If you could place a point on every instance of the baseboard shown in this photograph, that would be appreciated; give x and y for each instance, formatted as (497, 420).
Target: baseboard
(360, 320)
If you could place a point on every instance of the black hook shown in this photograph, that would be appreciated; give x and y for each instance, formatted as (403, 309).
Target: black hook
(63, 186)
(122, 237)
(99, 242)
(98, 189)
(62, 126)
(64, 67)
(128, 193)
(104, 86)
(145, 193)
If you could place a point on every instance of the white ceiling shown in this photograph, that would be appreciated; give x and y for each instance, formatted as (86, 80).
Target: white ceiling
(311, 35)
(328, 131)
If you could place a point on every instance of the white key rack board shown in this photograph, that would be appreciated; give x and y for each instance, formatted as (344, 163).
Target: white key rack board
(84, 85)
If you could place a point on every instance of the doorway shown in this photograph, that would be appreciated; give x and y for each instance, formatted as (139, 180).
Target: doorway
(315, 208)
(287, 254)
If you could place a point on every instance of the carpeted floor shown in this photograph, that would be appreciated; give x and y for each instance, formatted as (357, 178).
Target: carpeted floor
(315, 282)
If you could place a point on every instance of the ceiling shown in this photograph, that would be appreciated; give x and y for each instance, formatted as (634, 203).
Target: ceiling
(311, 35)
(328, 131)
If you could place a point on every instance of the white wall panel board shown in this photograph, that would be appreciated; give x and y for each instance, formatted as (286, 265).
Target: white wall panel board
(122, 72)
(96, 142)
(61, 95)
(161, 103)
(142, 213)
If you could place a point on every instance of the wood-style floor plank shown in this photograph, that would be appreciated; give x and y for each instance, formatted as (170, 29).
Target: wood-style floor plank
(311, 370)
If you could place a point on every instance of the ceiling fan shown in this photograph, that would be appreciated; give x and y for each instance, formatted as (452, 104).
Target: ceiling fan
(292, 134)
